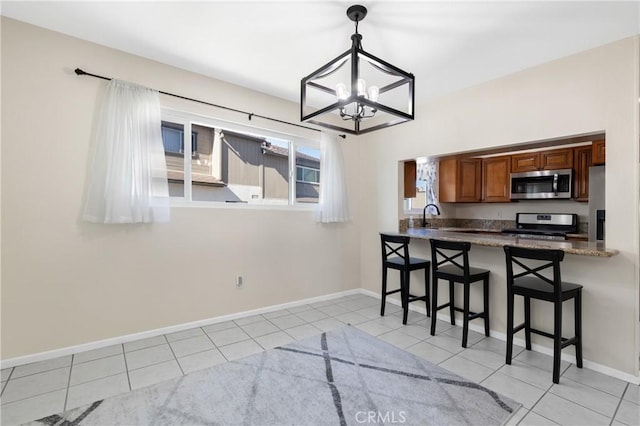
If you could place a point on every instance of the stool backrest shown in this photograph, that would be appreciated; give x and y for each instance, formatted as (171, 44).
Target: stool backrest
(539, 260)
(449, 252)
(395, 245)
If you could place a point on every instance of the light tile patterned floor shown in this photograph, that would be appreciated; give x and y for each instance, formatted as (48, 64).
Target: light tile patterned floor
(583, 397)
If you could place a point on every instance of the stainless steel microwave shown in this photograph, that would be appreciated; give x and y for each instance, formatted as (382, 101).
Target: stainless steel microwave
(542, 184)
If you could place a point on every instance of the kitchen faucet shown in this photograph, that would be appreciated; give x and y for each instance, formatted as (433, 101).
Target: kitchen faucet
(424, 213)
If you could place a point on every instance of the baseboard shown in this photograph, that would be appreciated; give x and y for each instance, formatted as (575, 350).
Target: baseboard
(42, 356)
(535, 347)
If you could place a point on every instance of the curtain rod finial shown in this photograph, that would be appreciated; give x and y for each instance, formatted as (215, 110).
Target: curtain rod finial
(78, 71)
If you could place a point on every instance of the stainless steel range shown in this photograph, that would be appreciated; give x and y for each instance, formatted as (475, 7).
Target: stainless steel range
(544, 226)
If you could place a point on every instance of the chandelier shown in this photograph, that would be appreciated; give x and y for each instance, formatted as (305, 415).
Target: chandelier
(357, 92)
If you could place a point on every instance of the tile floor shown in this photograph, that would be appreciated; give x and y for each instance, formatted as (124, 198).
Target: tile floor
(583, 397)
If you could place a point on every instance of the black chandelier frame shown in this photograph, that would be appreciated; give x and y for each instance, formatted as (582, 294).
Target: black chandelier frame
(356, 14)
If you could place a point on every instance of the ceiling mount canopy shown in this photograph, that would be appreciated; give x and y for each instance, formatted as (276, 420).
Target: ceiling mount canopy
(357, 92)
(357, 13)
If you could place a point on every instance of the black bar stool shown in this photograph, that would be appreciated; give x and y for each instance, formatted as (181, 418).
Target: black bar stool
(398, 247)
(531, 284)
(451, 270)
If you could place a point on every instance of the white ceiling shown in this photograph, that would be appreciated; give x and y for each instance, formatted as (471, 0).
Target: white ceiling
(269, 46)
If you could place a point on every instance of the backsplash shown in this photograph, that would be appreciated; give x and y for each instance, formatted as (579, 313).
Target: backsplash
(460, 223)
(583, 227)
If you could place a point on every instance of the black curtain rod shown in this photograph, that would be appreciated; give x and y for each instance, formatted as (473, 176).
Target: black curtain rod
(249, 115)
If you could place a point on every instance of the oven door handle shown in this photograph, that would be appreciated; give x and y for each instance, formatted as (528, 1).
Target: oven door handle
(555, 184)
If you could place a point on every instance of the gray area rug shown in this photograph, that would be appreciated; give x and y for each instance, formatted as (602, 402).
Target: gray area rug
(342, 377)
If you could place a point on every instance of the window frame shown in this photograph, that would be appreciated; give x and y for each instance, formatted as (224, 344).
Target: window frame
(187, 118)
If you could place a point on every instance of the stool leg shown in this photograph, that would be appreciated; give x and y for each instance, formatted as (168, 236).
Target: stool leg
(384, 289)
(578, 325)
(465, 315)
(405, 295)
(485, 289)
(527, 322)
(452, 306)
(434, 305)
(557, 339)
(427, 302)
(510, 302)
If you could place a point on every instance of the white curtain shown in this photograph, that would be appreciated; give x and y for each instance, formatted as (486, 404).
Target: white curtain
(334, 201)
(128, 177)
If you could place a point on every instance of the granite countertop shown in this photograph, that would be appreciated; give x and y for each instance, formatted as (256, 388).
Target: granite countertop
(481, 237)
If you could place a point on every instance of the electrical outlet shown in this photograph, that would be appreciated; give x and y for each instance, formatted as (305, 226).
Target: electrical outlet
(239, 281)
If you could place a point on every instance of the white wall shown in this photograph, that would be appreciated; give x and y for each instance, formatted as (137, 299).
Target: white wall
(66, 282)
(593, 91)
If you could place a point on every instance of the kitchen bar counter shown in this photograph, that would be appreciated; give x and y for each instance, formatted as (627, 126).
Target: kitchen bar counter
(609, 296)
(486, 237)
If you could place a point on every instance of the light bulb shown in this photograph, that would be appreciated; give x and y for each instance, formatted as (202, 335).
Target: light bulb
(341, 91)
(362, 87)
(373, 93)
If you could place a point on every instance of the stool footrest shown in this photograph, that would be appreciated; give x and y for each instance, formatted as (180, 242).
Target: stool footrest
(474, 315)
(565, 341)
(541, 333)
(446, 305)
(518, 328)
(413, 298)
(392, 291)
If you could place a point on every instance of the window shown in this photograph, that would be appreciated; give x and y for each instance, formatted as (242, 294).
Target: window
(426, 186)
(231, 163)
(173, 138)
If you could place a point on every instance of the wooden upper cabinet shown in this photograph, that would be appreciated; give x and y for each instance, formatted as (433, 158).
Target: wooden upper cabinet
(460, 180)
(527, 162)
(598, 152)
(470, 180)
(410, 179)
(581, 163)
(542, 160)
(556, 159)
(447, 180)
(495, 179)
